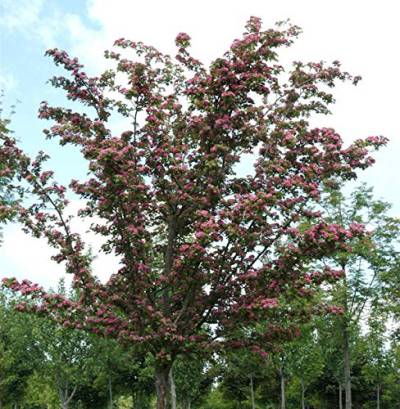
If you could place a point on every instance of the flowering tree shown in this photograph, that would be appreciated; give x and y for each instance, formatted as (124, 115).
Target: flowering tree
(6, 201)
(204, 251)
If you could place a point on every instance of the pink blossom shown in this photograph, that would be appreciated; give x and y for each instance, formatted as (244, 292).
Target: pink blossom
(200, 234)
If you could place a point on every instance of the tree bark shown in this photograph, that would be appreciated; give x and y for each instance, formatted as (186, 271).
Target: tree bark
(161, 377)
(172, 389)
(378, 396)
(303, 402)
(61, 394)
(347, 371)
(110, 394)
(346, 346)
(253, 404)
(64, 398)
(340, 396)
(283, 393)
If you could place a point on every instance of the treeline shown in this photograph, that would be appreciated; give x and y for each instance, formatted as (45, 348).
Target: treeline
(43, 365)
(348, 350)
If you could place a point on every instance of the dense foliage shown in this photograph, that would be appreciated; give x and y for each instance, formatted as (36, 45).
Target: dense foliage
(43, 365)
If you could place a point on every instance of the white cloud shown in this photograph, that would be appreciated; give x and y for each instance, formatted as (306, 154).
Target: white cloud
(34, 19)
(23, 256)
(20, 14)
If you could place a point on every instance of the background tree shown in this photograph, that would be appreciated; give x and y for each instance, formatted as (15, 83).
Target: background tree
(108, 367)
(193, 377)
(367, 267)
(66, 355)
(378, 353)
(392, 378)
(305, 359)
(242, 373)
(172, 175)
(19, 353)
(332, 380)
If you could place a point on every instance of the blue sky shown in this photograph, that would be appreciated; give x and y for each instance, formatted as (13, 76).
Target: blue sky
(362, 34)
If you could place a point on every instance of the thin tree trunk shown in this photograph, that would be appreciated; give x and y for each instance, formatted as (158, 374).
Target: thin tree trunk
(340, 396)
(303, 402)
(161, 377)
(253, 404)
(347, 371)
(61, 394)
(137, 400)
(110, 394)
(64, 398)
(378, 396)
(346, 346)
(172, 389)
(283, 393)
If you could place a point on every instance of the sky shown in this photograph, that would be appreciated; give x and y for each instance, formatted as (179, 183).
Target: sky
(362, 34)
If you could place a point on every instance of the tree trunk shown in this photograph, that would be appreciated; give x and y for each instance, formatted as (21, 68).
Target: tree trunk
(340, 396)
(346, 346)
(187, 403)
(253, 404)
(378, 396)
(347, 373)
(161, 377)
(303, 402)
(172, 389)
(137, 400)
(64, 398)
(283, 393)
(110, 394)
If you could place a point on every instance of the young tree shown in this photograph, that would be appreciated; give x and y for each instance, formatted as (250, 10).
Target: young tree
(19, 353)
(379, 359)
(66, 354)
(112, 370)
(332, 353)
(241, 374)
(305, 360)
(193, 377)
(190, 232)
(370, 268)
